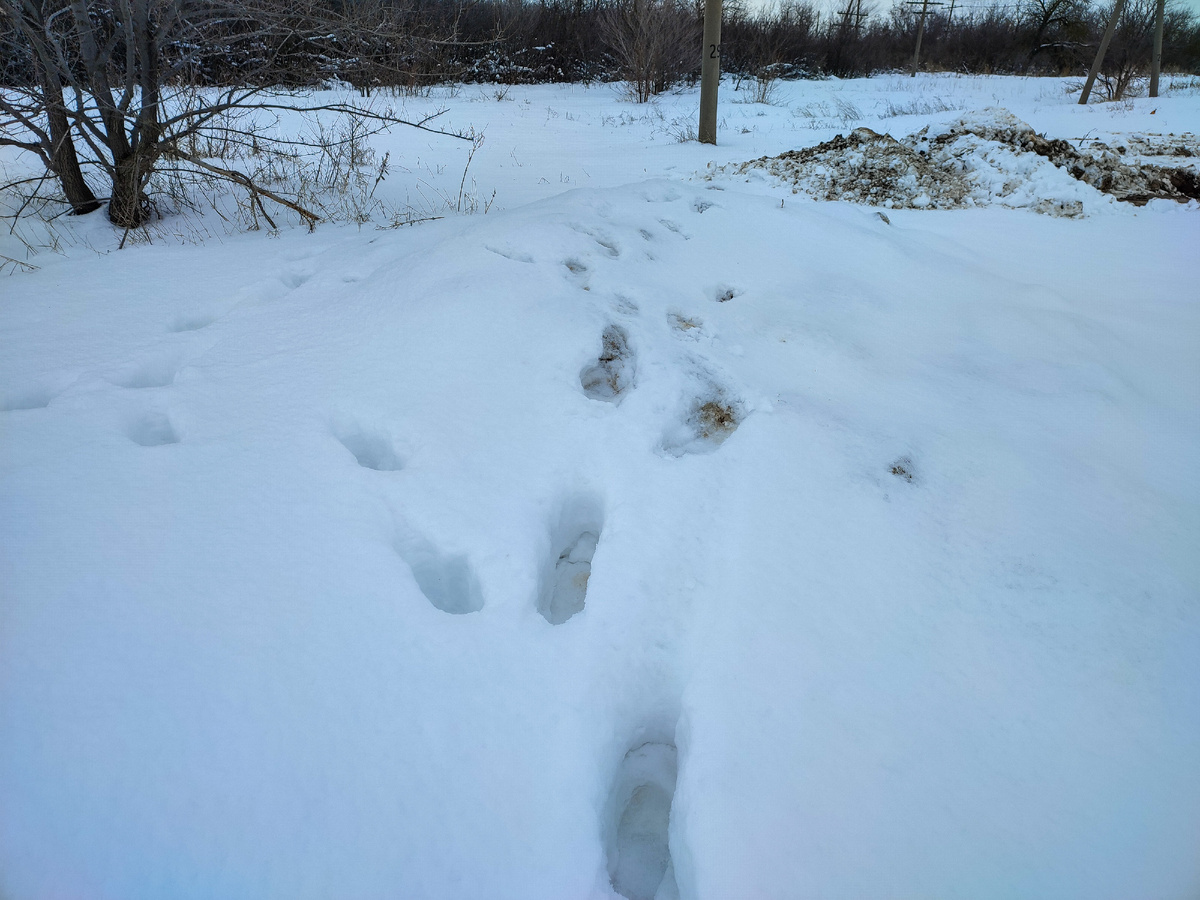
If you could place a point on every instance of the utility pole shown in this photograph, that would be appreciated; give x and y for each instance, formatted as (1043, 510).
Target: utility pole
(1118, 7)
(924, 4)
(853, 11)
(1156, 58)
(710, 71)
(859, 15)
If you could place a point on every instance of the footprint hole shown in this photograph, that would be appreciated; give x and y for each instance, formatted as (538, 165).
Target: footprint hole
(637, 845)
(446, 579)
(563, 587)
(371, 449)
(612, 375)
(154, 429)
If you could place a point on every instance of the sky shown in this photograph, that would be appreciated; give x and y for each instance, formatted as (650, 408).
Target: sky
(883, 5)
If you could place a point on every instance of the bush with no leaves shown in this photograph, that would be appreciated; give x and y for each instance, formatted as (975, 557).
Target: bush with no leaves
(655, 43)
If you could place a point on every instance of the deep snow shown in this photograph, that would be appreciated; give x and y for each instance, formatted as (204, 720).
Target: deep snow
(673, 533)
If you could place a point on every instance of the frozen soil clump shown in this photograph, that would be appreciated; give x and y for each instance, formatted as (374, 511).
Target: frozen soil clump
(1100, 166)
(864, 167)
(989, 158)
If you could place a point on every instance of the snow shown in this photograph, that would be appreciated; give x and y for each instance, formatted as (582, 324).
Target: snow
(655, 534)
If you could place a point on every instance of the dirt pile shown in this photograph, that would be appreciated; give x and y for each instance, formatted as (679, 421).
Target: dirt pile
(1103, 167)
(865, 167)
(983, 159)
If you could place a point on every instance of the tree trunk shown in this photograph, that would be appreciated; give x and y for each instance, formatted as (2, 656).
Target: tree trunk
(60, 155)
(64, 163)
(129, 207)
(1156, 54)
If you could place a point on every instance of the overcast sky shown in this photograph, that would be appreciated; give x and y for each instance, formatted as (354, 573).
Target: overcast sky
(882, 6)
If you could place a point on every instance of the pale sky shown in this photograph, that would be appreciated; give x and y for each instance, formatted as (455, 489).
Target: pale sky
(881, 6)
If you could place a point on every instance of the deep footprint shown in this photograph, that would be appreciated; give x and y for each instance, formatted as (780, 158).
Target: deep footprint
(565, 592)
(707, 425)
(153, 430)
(563, 583)
(30, 398)
(191, 323)
(613, 372)
(371, 449)
(446, 580)
(638, 834)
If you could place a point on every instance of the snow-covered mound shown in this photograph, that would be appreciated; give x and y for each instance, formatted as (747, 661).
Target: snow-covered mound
(638, 542)
(986, 158)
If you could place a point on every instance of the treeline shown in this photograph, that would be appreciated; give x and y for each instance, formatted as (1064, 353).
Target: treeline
(411, 44)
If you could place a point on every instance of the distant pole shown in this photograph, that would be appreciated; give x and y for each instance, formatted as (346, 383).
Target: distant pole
(710, 71)
(1156, 58)
(1095, 70)
(920, 34)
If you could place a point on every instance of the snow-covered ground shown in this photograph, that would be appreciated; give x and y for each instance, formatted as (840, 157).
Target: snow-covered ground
(656, 534)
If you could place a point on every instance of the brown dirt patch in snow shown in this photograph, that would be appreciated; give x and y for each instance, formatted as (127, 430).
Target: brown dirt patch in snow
(1100, 166)
(930, 169)
(865, 167)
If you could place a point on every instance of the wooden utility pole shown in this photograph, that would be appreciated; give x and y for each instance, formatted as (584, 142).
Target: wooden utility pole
(1118, 8)
(853, 11)
(924, 4)
(1156, 57)
(710, 71)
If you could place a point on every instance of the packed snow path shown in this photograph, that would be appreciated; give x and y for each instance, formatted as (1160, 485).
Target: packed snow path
(656, 541)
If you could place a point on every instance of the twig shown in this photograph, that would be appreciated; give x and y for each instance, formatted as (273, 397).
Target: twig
(310, 218)
(8, 260)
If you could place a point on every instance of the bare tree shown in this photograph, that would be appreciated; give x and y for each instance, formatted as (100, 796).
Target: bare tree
(35, 119)
(116, 77)
(654, 42)
(1056, 24)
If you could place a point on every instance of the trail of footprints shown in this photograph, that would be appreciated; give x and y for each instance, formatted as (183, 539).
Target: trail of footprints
(636, 819)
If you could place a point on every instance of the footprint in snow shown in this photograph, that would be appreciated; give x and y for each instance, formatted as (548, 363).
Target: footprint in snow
(708, 423)
(674, 228)
(154, 429)
(687, 326)
(293, 279)
(637, 830)
(609, 246)
(37, 396)
(446, 579)
(669, 195)
(509, 253)
(192, 322)
(626, 306)
(371, 448)
(562, 591)
(613, 372)
(579, 271)
(904, 469)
